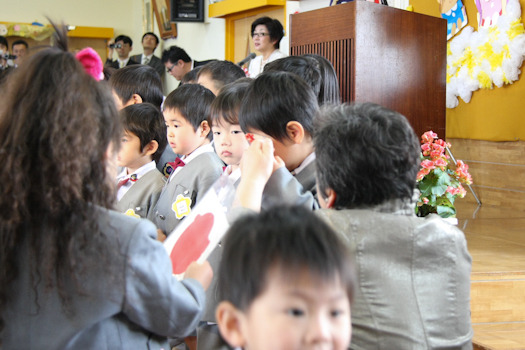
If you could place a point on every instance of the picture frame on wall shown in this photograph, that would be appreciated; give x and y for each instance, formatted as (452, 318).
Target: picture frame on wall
(161, 9)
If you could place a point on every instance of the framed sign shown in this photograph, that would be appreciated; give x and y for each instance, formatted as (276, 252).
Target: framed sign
(161, 8)
(147, 16)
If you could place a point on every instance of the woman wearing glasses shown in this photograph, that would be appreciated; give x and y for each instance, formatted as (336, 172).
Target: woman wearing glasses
(266, 34)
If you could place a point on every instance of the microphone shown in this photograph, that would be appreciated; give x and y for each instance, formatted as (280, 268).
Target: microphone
(248, 58)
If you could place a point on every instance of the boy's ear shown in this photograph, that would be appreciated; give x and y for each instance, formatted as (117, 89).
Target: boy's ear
(150, 148)
(229, 320)
(330, 198)
(205, 128)
(295, 131)
(135, 99)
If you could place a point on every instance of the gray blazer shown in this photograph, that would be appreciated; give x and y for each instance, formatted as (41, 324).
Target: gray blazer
(192, 182)
(136, 306)
(143, 195)
(284, 188)
(413, 279)
(155, 63)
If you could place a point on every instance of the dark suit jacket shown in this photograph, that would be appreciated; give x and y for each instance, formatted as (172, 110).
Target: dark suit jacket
(155, 63)
(114, 64)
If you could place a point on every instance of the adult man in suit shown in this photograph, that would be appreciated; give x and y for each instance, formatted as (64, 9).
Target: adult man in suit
(150, 41)
(124, 45)
(178, 62)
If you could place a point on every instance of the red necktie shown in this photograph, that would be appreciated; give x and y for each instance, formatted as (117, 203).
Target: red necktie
(171, 166)
(132, 177)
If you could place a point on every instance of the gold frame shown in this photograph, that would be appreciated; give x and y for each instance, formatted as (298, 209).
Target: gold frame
(167, 29)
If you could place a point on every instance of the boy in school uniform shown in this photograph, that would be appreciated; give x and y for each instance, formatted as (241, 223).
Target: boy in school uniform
(216, 74)
(140, 183)
(186, 115)
(138, 84)
(282, 107)
(286, 281)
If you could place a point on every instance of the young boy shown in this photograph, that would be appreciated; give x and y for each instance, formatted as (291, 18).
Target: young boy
(228, 138)
(216, 74)
(186, 115)
(285, 282)
(137, 84)
(282, 107)
(140, 183)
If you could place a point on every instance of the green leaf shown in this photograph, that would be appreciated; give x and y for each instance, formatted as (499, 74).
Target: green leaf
(446, 211)
(439, 190)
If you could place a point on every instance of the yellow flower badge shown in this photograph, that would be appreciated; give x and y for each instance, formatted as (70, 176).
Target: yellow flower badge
(181, 206)
(131, 212)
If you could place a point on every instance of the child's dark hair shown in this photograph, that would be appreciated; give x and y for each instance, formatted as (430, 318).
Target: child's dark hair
(291, 239)
(226, 105)
(377, 155)
(305, 67)
(145, 121)
(222, 72)
(191, 76)
(275, 28)
(137, 79)
(273, 100)
(329, 87)
(193, 102)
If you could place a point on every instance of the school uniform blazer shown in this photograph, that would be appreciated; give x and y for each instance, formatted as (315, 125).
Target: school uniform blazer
(192, 181)
(127, 299)
(283, 188)
(143, 194)
(413, 279)
(154, 63)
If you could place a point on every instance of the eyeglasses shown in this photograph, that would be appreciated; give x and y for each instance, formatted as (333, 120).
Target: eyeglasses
(260, 35)
(170, 68)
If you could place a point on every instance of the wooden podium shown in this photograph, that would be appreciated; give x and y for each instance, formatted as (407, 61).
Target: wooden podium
(381, 54)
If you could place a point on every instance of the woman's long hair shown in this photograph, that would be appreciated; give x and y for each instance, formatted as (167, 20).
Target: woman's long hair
(56, 125)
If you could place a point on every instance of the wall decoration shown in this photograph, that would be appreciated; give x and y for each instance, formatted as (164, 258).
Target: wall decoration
(34, 31)
(487, 57)
(147, 16)
(455, 14)
(161, 8)
(489, 11)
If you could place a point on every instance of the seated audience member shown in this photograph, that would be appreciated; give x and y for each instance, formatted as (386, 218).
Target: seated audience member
(150, 41)
(124, 45)
(282, 107)
(216, 74)
(329, 90)
(186, 115)
(413, 287)
(144, 137)
(178, 62)
(73, 273)
(5, 60)
(19, 48)
(286, 281)
(138, 84)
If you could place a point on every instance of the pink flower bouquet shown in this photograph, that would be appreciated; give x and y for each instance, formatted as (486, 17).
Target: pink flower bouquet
(438, 183)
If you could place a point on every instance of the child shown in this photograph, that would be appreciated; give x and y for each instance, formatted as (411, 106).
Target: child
(137, 84)
(282, 107)
(144, 136)
(216, 74)
(285, 282)
(228, 138)
(73, 273)
(186, 114)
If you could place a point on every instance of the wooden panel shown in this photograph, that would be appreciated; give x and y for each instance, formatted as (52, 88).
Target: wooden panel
(499, 336)
(397, 58)
(511, 152)
(333, 51)
(490, 304)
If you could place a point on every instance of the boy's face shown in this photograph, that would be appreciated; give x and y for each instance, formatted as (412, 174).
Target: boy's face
(305, 313)
(230, 142)
(130, 155)
(182, 138)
